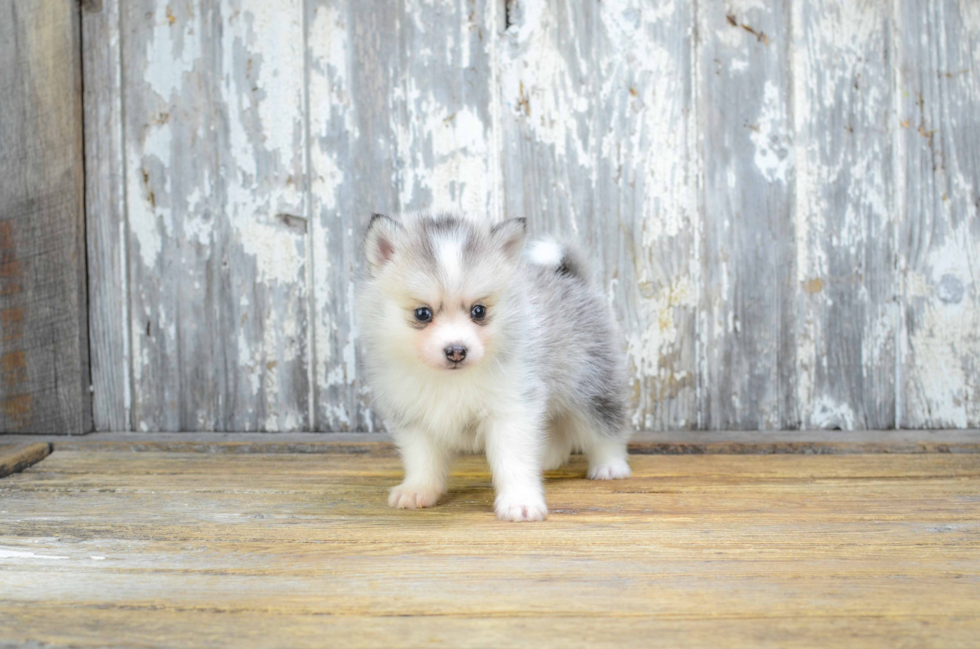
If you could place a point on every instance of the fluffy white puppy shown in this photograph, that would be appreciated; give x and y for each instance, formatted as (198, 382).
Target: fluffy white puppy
(472, 346)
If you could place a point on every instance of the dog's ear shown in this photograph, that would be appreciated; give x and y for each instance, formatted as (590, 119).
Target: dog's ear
(380, 242)
(509, 236)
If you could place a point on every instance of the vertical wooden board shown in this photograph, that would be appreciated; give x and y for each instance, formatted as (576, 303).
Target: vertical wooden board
(845, 275)
(595, 113)
(215, 170)
(644, 220)
(400, 102)
(265, 228)
(352, 60)
(170, 175)
(43, 319)
(747, 247)
(105, 217)
(939, 242)
(547, 79)
(442, 99)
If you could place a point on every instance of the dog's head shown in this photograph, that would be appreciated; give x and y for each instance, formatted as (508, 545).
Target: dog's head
(438, 287)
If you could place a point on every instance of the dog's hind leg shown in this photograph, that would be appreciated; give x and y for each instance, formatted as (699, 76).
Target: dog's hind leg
(608, 458)
(559, 444)
(603, 442)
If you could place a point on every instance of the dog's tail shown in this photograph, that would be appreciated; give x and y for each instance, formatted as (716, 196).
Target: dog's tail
(562, 258)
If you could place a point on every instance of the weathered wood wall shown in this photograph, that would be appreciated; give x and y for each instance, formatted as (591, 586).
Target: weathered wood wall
(44, 375)
(782, 198)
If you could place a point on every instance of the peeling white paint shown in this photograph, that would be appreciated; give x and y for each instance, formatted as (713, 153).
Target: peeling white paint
(149, 207)
(278, 252)
(330, 52)
(579, 114)
(275, 42)
(328, 181)
(539, 88)
(271, 35)
(458, 177)
(825, 413)
(247, 365)
(770, 136)
(174, 49)
(942, 348)
(645, 346)
(198, 225)
(331, 105)
(269, 368)
(843, 205)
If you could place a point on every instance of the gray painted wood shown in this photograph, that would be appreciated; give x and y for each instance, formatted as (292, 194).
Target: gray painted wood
(214, 103)
(401, 120)
(748, 248)
(939, 242)
(597, 147)
(846, 282)
(105, 217)
(645, 217)
(787, 235)
(171, 182)
(43, 339)
(353, 169)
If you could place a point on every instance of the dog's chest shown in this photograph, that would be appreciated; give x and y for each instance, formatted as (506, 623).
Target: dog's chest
(453, 413)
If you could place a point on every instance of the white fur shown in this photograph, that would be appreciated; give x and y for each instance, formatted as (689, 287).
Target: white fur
(545, 252)
(450, 259)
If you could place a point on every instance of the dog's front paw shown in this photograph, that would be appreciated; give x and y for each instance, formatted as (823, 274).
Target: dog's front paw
(520, 509)
(611, 470)
(407, 496)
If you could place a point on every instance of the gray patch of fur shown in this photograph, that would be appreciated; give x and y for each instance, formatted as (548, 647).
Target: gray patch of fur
(575, 351)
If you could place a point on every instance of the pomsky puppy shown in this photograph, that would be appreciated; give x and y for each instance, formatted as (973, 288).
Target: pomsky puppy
(472, 345)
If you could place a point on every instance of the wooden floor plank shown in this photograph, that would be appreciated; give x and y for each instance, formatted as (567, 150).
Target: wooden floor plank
(166, 549)
(85, 628)
(17, 457)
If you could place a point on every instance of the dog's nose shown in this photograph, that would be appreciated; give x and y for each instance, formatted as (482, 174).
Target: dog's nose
(455, 353)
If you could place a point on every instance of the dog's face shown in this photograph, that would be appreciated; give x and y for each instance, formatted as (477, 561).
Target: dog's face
(440, 287)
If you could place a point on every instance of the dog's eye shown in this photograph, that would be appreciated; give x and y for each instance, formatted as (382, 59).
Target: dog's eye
(479, 312)
(423, 314)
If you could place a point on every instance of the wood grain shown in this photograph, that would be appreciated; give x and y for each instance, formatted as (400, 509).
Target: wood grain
(43, 316)
(352, 174)
(214, 105)
(939, 241)
(779, 199)
(203, 628)
(169, 140)
(845, 215)
(748, 240)
(198, 549)
(17, 457)
(105, 217)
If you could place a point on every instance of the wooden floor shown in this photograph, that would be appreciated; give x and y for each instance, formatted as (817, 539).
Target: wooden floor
(122, 548)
